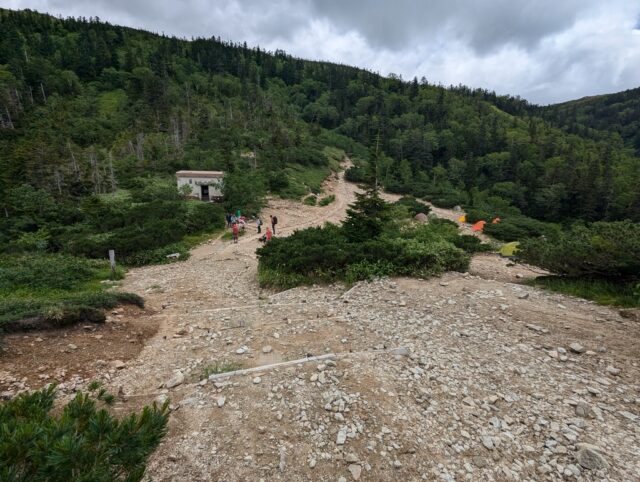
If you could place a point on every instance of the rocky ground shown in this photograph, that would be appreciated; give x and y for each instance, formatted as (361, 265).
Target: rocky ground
(471, 376)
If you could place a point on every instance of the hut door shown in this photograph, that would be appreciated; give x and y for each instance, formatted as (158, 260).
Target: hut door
(204, 192)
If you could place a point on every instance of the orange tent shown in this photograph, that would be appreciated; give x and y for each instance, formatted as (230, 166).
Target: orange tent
(479, 226)
(496, 220)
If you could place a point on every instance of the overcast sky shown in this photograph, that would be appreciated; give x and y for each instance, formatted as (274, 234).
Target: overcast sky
(543, 50)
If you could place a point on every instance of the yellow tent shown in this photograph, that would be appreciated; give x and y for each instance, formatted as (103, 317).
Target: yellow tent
(508, 250)
(462, 219)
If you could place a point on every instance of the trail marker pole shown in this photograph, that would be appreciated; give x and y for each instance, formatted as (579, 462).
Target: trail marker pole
(112, 262)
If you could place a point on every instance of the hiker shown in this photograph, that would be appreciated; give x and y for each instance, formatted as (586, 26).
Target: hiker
(259, 224)
(268, 234)
(233, 220)
(228, 218)
(238, 214)
(235, 230)
(274, 221)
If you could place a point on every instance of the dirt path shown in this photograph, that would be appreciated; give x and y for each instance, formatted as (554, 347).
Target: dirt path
(485, 386)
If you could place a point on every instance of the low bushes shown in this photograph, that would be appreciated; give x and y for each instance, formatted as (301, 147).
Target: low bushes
(80, 442)
(521, 227)
(369, 244)
(357, 174)
(136, 223)
(602, 291)
(607, 250)
(413, 205)
(325, 201)
(325, 254)
(55, 289)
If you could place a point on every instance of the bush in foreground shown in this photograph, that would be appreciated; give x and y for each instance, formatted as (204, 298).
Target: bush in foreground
(82, 443)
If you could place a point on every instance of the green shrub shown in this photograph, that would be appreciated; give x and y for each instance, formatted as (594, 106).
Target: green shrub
(325, 201)
(202, 216)
(310, 200)
(518, 228)
(445, 198)
(335, 253)
(220, 367)
(471, 244)
(80, 443)
(474, 215)
(357, 174)
(367, 270)
(158, 255)
(599, 250)
(50, 271)
(413, 205)
(57, 288)
(602, 291)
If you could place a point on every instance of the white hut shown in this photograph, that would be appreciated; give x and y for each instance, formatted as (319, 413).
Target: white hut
(205, 185)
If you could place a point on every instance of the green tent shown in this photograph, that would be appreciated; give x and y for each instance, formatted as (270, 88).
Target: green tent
(508, 250)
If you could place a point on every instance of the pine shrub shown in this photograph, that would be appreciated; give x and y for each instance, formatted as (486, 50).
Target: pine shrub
(81, 443)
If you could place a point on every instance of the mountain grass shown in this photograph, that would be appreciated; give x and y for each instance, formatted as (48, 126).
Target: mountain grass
(603, 292)
(57, 290)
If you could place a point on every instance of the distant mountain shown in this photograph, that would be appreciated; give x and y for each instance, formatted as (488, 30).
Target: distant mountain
(87, 108)
(618, 113)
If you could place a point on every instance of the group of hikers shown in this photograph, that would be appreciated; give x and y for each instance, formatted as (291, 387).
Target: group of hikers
(238, 223)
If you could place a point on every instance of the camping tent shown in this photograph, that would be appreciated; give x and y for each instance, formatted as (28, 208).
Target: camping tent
(479, 226)
(462, 219)
(509, 249)
(422, 217)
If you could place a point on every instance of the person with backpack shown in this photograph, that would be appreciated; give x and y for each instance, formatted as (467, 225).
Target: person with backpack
(259, 224)
(274, 221)
(235, 230)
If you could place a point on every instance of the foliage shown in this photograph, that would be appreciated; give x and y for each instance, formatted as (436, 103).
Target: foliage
(598, 250)
(520, 227)
(243, 190)
(325, 254)
(366, 217)
(58, 289)
(413, 205)
(309, 200)
(219, 367)
(325, 201)
(356, 174)
(83, 442)
(158, 255)
(604, 292)
(599, 115)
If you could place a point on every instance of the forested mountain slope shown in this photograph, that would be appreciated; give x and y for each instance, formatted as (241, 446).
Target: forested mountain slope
(618, 113)
(88, 107)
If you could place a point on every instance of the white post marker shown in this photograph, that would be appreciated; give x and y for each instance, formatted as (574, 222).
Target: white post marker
(112, 261)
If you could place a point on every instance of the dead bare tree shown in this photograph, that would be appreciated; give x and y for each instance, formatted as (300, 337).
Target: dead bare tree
(112, 176)
(96, 176)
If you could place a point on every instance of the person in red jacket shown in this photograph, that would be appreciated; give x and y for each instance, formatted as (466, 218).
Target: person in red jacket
(235, 230)
(268, 234)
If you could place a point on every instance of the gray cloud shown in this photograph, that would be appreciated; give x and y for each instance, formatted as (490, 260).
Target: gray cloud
(484, 25)
(546, 51)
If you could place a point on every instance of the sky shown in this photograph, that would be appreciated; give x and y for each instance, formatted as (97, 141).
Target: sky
(545, 51)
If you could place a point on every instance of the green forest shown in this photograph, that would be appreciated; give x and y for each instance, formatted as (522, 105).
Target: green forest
(599, 116)
(95, 119)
